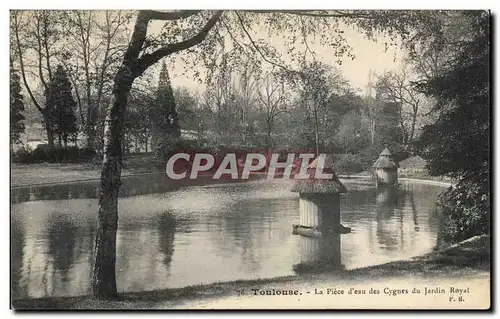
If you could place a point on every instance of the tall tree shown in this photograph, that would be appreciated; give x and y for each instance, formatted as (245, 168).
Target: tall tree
(194, 115)
(245, 88)
(16, 107)
(62, 105)
(273, 100)
(458, 143)
(138, 119)
(41, 35)
(104, 273)
(205, 46)
(319, 82)
(97, 42)
(165, 129)
(402, 91)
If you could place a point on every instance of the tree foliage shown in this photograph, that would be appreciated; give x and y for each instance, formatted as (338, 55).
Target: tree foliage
(16, 106)
(165, 119)
(458, 143)
(60, 102)
(213, 45)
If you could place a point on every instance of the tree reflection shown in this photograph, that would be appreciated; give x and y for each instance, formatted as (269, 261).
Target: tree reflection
(19, 195)
(166, 225)
(17, 242)
(62, 238)
(388, 231)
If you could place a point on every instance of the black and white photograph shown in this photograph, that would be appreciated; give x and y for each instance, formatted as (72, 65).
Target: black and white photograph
(253, 159)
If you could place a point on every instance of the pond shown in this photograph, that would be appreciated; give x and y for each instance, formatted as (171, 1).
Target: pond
(171, 236)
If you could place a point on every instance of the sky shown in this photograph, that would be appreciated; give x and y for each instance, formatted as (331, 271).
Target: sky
(370, 57)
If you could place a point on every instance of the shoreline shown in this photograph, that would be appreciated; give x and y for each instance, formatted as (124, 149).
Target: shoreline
(443, 265)
(405, 179)
(127, 175)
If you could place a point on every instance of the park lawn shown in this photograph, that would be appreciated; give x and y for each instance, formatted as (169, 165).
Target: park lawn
(465, 263)
(52, 173)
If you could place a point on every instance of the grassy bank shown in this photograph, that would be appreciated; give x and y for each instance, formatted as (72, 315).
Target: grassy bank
(44, 173)
(469, 259)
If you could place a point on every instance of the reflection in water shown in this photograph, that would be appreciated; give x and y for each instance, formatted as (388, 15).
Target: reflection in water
(384, 224)
(62, 235)
(194, 235)
(17, 243)
(319, 254)
(166, 233)
(389, 203)
(131, 186)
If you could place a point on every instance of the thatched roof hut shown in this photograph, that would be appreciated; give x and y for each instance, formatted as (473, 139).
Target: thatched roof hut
(320, 186)
(385, 160)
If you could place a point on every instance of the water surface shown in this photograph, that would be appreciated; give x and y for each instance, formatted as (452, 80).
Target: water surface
(172, 237)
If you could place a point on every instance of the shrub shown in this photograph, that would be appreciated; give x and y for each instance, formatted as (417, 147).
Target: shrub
(465, 209)
(21, 155)
(87, 153)
(43, 153)
(68, 154)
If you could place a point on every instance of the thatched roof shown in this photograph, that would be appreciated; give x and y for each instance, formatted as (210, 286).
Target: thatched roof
(384, 162)
(319, 186)
(385, 152)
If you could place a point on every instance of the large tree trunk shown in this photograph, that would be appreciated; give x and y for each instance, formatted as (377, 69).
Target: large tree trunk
(372, 133)
(50, 134)
(412, 133)
(413, 122)
(104, 274)
(403, 131)
(316, 131)
(269, 137)
(91, 126)
(155, 133)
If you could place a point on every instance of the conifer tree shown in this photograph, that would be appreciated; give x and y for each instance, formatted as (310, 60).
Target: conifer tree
(16, 106)
(61, 104)
(165, 120)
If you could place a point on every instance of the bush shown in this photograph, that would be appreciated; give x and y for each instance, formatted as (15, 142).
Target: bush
(21, 154)
(186, 145)
(87, 153)
(348, 163)
(43, 153)
(465, 210)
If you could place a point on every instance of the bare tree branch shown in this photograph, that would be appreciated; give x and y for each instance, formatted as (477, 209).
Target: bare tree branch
(46, 46)
(149, 59)
(21, 64)
(316, 13)
(38, 37)
(242, 23)
(171, 15)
